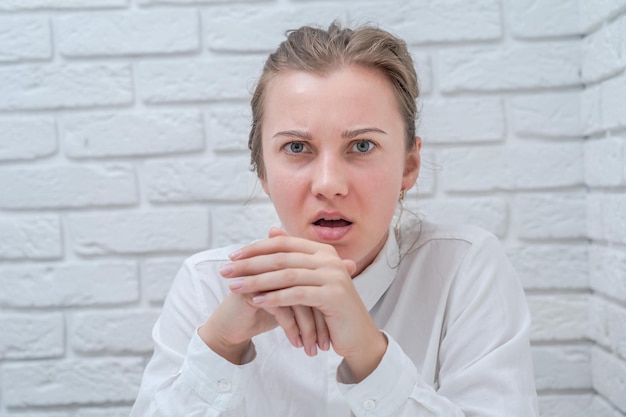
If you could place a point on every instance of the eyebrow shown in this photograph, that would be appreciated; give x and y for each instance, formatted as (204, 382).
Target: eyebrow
(348, 134)
(299, 134)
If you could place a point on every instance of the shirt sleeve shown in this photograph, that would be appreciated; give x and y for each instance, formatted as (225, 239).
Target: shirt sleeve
(485, 364)
(185, 377)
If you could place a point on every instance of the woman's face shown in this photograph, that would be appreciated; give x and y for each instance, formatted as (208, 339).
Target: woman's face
(335, 157)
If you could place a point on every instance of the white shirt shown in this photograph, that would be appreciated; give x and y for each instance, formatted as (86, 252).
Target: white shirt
(447, 299)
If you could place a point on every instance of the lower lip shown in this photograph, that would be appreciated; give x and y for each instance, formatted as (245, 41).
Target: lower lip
(331, 234)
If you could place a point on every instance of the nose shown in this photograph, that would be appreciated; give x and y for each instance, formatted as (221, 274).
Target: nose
(329, 177)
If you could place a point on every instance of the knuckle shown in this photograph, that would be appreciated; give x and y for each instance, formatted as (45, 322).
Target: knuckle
(298, 294)
(280, 260)
(290, 276)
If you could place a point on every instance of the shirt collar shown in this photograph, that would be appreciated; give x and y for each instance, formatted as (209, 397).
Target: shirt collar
(372, 283)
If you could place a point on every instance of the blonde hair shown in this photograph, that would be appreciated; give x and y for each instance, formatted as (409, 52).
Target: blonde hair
(320, 51)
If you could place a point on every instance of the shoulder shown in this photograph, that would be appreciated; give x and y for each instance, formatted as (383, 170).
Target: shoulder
(418, 234)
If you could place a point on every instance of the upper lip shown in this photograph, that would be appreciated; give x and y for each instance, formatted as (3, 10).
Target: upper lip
(329, 215)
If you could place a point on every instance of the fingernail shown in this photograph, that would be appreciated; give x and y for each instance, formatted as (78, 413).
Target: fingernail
(325, 345)
(298, 342)
(313, 350)
(226, 270)
(234, 255)
(259, 299)
(235, 284)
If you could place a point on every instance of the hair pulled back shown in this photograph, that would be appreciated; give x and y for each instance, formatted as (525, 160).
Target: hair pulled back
(321, 51)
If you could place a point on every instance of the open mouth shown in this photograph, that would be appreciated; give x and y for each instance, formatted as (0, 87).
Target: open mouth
(332, 223)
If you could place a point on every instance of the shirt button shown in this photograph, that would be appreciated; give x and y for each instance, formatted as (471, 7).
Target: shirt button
(224, 385)
(369, 404)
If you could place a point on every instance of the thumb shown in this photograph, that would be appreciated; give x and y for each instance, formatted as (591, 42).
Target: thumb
(276, 231)
(350, 266)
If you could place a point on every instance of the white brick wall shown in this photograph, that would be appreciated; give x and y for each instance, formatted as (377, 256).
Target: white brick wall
(123, 131)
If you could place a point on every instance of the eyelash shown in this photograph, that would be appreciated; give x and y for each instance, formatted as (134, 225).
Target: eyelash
(372, 145)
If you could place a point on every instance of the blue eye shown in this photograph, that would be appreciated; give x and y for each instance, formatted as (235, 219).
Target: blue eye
(295, 147)
(363, 146)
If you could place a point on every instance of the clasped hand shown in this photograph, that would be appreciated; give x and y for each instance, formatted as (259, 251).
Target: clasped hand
(305, 288)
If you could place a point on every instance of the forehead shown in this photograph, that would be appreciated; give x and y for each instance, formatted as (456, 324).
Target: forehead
(362, 89)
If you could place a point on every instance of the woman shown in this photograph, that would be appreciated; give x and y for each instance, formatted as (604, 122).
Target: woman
(395, 318)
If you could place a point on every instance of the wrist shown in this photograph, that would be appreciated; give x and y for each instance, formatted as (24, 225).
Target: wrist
(366, 360)
(232, 352)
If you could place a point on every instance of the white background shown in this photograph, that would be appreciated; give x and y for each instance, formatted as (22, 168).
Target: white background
(123, 130)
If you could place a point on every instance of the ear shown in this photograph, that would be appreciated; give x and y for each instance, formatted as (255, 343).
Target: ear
(412, 165)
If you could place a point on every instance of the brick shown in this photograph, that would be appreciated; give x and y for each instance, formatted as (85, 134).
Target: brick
(510, 67)
(425, 185)
(270, 23)
(55, 86)
(136, 232)
(68, 186)
(103, 412)
(544, 18)
(550, 216)
(191, 80)
(606, 325)
(118, 134)
(550, 115)
(98, 411)
(607, 373)
(567, 405)
(606, 271)
(69, 285)
(605, 162)
(475, 120)
(157, 276)
(558, 317)
(229, 126)
(601, 408)
(603, 51)
(39, 414)
(239, 224)
(112, 332)
(551, 266)
(424, 69)
(612, 95)
(591, 109)
(507, 168)
(24, 39)
(562, 367)
(423, 21)
(489, 213)
(30, 336)
(605, 217)
(181, 2)
(218, 179)
(594, 12)
(27, 138)
(71, 382)
(18, 5)
(128, 33)
(30, 237)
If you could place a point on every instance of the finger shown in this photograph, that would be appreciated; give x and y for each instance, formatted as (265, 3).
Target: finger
(276, 231)
(279, 243)
(286, 319)
(323, 335)
(350, 266)
(292, 296)
(277, 280)
(271, 262)
(306, 324)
